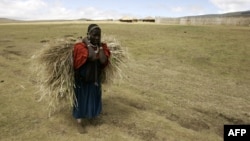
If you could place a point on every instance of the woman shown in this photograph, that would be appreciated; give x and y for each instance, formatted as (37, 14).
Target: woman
(90, 58)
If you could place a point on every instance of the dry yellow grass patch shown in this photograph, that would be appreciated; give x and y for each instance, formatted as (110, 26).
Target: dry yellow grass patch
(182, 83)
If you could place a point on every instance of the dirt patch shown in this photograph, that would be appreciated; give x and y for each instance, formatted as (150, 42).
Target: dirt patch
(224, 118)
(25, 38)
(135, 104)
(44, 41)
(10, 46)
(173, 117)
(113, 116)
(134, 130)
(5, 40)
(17, 53)
(229, 119)
(148, 135)
(194, 124)
(68, 35)
(18, 73)
(8, 54)
(3, 65)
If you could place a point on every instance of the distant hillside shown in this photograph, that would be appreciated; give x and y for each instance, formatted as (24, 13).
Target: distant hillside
(6, 20)
(239, 14)
(231, 14)
(241, 18)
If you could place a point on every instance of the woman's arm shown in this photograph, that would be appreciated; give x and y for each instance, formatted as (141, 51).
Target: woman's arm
(104, 54)
(80, 55)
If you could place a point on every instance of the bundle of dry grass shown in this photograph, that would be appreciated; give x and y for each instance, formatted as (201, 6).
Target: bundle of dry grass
(53, 67)
(54, 73)
(118, 60)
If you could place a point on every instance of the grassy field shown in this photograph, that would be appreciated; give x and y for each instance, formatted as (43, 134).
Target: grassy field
(183, 84)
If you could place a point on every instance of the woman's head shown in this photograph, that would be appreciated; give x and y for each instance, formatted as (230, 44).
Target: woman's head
(94, 34)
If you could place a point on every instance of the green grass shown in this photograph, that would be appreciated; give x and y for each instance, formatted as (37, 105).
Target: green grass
(183, 83)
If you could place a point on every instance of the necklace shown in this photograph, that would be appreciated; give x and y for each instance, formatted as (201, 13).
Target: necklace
(97, 50)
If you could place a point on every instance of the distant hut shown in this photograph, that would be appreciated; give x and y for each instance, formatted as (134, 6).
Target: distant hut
(148, 19)
(128, 19)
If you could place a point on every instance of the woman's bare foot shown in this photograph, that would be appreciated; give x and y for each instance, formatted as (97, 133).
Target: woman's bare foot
(81, 129)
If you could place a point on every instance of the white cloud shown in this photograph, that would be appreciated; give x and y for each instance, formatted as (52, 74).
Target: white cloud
(231, 5)
(177, 9)
(41, 10)
(54, 9)
(94, 13)
(20, 8)
(189, 10)
(196, 10)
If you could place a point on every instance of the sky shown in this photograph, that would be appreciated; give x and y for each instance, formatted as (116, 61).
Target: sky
(115, 9)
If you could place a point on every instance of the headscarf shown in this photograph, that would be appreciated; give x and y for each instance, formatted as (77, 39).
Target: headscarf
(92, 27)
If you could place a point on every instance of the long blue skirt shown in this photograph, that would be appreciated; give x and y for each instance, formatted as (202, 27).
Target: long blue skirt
(89, 100)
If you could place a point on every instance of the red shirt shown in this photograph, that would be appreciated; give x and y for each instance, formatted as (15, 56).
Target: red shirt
(81, 54)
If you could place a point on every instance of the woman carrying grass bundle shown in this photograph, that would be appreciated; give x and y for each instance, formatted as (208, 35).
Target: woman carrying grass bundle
(90, 58)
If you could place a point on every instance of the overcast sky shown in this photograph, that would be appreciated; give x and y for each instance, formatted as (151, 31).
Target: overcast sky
(115, 9)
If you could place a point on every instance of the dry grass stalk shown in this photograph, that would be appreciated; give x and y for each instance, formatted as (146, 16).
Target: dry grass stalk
(53, 67)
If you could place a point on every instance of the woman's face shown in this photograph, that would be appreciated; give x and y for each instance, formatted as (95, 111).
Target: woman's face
(95, 37)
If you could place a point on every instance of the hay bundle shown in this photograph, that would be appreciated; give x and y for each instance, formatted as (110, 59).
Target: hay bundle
(117, 60)
(54, 72)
